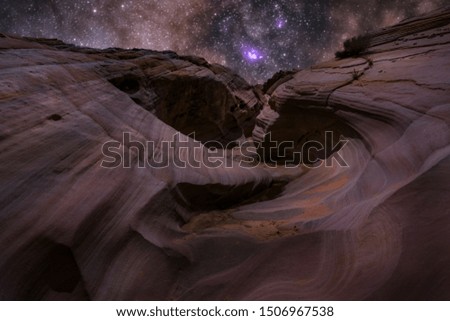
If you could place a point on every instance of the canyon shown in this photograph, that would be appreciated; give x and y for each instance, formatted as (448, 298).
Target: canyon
(377, 229)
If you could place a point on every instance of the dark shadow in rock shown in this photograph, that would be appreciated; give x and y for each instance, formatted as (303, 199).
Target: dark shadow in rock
(61, 272)
(54, 117)
(272, 192)
(315, 136)
(40, 267)
(220, 197)
(197, 105)
(126, 83)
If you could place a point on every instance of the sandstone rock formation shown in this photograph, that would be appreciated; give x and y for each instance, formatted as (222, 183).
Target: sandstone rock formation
(375, 229)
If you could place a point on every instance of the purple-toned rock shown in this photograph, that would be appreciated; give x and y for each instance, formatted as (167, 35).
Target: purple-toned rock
(377, 228)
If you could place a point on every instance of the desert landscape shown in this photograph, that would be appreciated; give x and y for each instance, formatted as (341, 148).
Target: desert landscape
(372, 223)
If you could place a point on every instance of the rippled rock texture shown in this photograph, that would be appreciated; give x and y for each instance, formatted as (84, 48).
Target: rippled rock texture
(378, 228)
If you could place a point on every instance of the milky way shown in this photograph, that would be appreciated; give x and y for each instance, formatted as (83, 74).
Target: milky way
(255, 38)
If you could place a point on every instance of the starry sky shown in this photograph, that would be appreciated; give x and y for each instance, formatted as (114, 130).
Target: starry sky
(255, 38)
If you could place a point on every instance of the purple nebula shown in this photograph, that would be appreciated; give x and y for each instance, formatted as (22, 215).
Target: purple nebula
(252, 54)
(280, 23)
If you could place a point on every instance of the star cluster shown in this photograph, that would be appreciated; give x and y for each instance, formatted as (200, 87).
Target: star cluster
(256, 38)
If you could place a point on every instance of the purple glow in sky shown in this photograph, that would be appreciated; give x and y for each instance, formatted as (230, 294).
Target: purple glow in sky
(233, 33)
(280, 23)
(252, 54)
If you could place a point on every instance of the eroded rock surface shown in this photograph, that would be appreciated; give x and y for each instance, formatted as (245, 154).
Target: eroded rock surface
(375, 229)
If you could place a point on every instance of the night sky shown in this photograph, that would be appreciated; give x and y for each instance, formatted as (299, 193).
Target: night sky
(255, 38)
